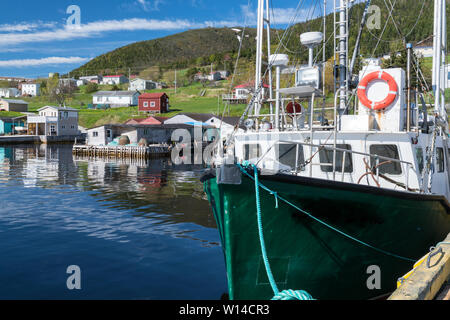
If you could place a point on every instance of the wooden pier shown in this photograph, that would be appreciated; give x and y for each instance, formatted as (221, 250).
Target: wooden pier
(131, 152)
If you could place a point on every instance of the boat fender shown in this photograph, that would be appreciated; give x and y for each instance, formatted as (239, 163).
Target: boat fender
(374, 76)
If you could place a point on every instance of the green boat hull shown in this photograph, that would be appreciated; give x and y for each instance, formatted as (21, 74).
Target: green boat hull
(305, 254)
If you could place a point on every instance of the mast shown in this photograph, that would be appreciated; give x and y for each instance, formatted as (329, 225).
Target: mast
(341, 50)
(259, 44)
(439, 52)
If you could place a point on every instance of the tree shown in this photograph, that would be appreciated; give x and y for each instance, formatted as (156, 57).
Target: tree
(91, 87)
(59, 91)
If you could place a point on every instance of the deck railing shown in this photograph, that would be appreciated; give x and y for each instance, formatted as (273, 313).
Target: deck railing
(373, 171)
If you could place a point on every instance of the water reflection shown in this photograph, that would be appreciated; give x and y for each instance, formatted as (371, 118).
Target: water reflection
(47, 193)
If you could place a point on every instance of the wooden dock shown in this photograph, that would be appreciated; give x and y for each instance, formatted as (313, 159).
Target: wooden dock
(131, 152)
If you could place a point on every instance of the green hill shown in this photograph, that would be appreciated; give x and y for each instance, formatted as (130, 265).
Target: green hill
(176, 51)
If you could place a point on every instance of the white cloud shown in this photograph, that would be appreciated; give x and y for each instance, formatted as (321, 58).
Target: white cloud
(94, 29)
(39, 62)
(281, 16)
(26, 26)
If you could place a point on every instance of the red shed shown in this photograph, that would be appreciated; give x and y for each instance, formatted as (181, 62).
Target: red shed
(154, 102)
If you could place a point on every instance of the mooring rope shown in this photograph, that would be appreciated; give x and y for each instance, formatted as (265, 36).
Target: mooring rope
(286, 294)
(278, 197)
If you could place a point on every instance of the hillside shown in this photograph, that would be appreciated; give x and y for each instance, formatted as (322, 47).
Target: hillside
(175, 51)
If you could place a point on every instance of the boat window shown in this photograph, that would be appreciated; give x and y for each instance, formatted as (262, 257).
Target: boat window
(252, 151)
(326, 159)
(290, 154)
(419, 156)
(440, 159)
(388, 151)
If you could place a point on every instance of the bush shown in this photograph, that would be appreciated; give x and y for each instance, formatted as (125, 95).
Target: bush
(91, 87)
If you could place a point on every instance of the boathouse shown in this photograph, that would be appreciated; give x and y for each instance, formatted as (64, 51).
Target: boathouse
(154, 102)
(9, 125)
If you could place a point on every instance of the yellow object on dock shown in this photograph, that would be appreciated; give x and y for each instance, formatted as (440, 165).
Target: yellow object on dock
(429, 275)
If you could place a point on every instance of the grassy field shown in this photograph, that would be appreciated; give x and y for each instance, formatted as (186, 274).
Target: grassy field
(186, 99)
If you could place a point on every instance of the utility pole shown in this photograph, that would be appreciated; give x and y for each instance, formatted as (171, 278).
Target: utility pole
(175, 81)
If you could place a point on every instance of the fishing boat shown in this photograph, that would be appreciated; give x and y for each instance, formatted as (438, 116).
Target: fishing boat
(342, 207)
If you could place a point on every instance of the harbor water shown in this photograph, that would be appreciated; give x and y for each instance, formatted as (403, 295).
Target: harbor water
(135, 230)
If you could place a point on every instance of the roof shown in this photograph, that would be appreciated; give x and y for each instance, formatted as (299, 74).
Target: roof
(202, 117)
(11, 118)
(250, 84)
(114, 76)
(59, 108)
(115, 93)
(152, 95)
(15, 101)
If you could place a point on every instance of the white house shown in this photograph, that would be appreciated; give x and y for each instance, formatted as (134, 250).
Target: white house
(214, 76)
(68, 82)
(376, 62)
(81, 82)
(116, 98)
(141, 84)
(224, 74)
(115, 79)
(32, 89)
(226, 125)
(93, 79)
(54, 121)
(9, 92)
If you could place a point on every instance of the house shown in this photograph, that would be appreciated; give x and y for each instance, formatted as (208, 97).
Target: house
(9, 92)
(13, 105)
(226, 125)
(31, 89)
(9, 125)
(190, 118)
(68, 82)
(82, 82)
(161, 85)
(375, 62)
(214, 76)
(224, 74)
(93, 79)
(244, 90)
(138, 84)
(116, 98)
(424, 48)
(156, 134)
(54, 121)
(147, 121)
(114, 79)
(154, 102)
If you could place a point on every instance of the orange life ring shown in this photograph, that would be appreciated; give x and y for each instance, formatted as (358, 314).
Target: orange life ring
(377, 75)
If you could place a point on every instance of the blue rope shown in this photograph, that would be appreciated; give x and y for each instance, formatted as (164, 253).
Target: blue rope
(286, 294)
(322, 222)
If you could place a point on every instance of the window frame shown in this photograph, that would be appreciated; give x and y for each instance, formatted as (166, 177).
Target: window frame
(327, 167)
(397, 165)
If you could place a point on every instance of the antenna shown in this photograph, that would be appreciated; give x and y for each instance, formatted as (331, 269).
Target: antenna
(311, 40)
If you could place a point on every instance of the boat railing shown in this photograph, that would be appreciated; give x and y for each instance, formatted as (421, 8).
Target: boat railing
(374, 170)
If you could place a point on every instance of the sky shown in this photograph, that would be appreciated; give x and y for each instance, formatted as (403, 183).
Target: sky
(39, 37)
